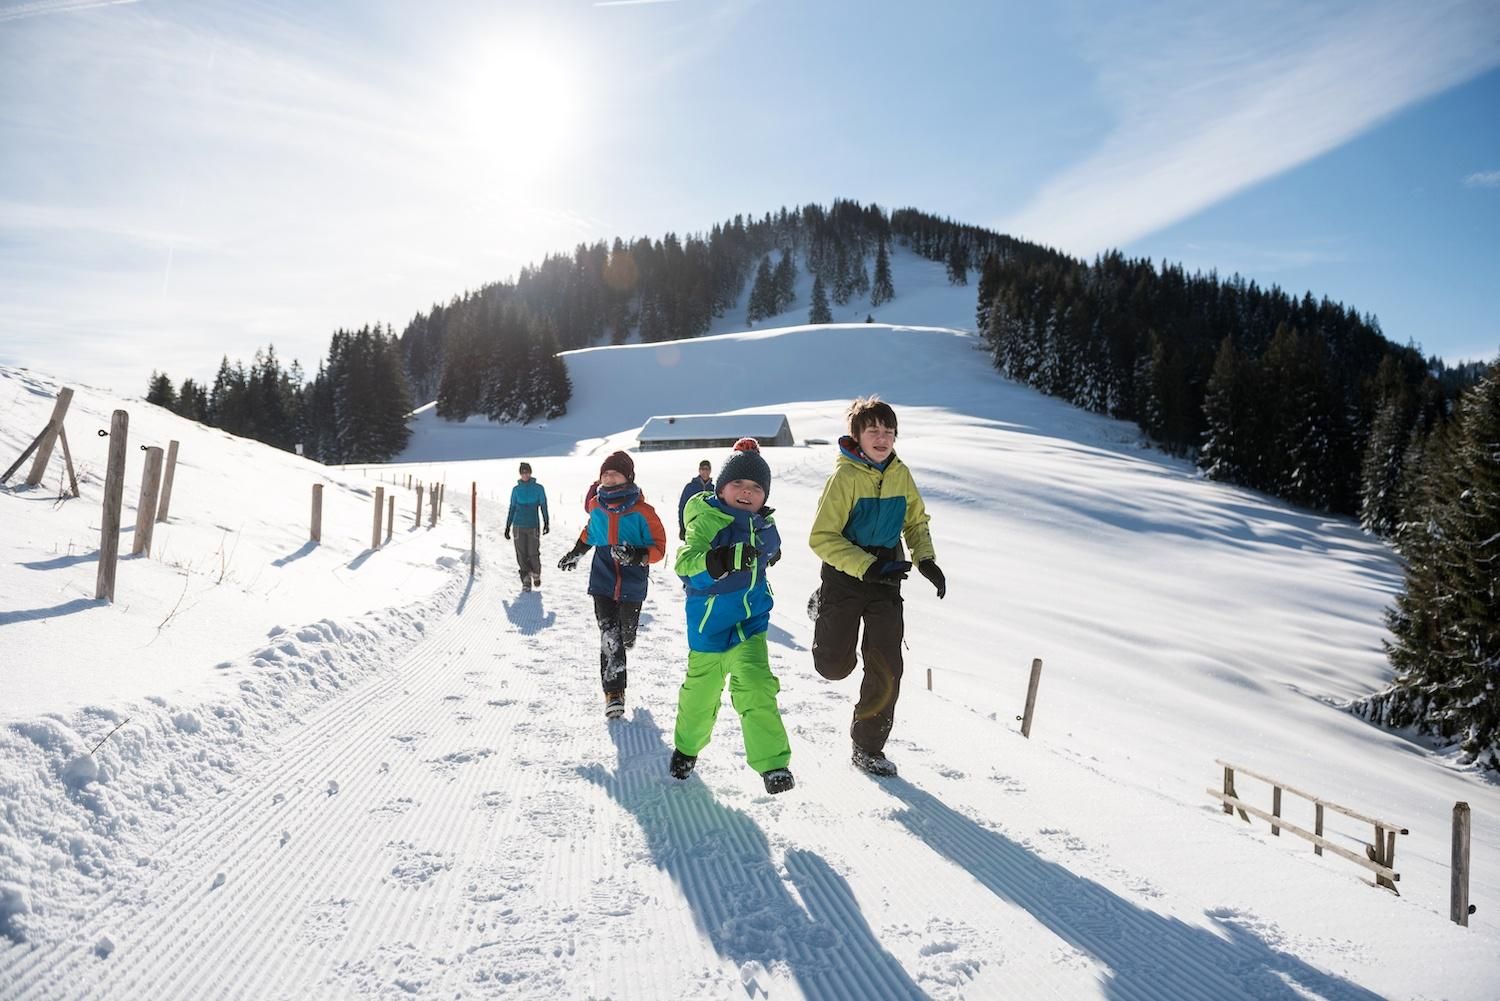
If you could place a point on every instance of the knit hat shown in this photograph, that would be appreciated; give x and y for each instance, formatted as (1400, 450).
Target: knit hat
(745, 464)
(621, 463)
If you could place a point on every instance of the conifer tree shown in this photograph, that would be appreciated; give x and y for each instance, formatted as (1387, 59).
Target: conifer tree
(958, 261)
(762, 293)
(785, 282)
(1225, 454)
(160, 391)
(881, 290)
(989, 285)
(819, 313)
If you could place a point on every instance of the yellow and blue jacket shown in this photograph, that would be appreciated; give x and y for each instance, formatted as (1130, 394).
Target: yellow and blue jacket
(865, 511)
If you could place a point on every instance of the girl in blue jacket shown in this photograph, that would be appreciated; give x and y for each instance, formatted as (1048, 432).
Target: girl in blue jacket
(626, 536)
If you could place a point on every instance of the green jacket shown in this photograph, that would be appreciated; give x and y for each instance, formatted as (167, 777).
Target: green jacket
(865, 508)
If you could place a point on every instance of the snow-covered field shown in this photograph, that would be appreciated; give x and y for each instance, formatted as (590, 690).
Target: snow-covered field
(354, 774)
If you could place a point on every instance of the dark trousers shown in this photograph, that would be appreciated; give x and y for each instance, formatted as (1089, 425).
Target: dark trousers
(843, 603)
(618, 622)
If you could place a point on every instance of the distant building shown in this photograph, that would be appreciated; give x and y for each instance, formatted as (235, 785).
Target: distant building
(714, 431)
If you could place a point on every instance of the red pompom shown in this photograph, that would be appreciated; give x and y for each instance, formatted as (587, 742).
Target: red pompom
(747, 445)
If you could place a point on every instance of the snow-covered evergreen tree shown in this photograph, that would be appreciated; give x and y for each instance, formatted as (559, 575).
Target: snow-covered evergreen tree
(819, 313)
(881, 289)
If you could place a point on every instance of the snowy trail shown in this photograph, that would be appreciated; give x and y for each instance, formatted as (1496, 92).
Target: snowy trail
(469, 825)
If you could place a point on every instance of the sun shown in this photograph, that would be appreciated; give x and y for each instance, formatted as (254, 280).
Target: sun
(519, 104)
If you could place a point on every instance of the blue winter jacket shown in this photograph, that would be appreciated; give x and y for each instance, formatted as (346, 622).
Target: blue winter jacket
(528, 506)
(724, 613)
(620, 515)
(694, 486)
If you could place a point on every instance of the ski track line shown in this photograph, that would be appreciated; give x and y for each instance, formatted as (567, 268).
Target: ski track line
(194, 847)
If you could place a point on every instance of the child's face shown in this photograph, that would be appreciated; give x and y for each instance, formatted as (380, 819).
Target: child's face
(611, 478)
(744, 494)
(877, 441)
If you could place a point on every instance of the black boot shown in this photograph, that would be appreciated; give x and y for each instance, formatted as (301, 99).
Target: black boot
(778, 780)
(681, 765)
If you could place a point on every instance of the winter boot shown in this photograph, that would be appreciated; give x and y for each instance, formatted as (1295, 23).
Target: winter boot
(614, 704)
(525, 582)
(681, 765)
(873, 762)
(536, 581)
(778, 780)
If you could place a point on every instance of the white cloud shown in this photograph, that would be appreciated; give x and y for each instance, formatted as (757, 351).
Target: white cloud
(1207, 102)
(1483, 179)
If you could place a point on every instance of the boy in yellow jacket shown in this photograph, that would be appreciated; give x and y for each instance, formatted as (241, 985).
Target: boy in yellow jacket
(868, 504)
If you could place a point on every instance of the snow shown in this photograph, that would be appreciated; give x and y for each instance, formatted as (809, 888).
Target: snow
(279, 769)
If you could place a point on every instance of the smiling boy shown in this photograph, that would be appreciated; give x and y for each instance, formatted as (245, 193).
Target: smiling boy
(868, 504)
(730, 541)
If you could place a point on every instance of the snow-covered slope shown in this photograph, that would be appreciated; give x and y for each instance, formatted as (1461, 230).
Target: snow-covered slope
(453, 816)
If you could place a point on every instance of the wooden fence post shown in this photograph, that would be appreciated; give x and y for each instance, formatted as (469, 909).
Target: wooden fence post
(114, 496)
(1318, 829)
(166, 482)
(1459, 894)
(145, 509)
(929, 679)
(390, 518)
(473, 526)
(1275, 809)
(432, 500)
(379, 511)
(62, 436)
(417, 521)
(316, 533)
(1036, 679)
(49, 439)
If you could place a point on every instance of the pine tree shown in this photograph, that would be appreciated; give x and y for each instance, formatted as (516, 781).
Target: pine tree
(1380, 472)
(843, 279)
(762, 293)
(882, 291)
(1446, 621)
(784, 281)
(160, 391)
(989, 285)
(819, 313)
(1225, 454)
(958, 261)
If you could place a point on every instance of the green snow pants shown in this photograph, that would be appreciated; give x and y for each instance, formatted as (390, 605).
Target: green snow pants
(752, 689)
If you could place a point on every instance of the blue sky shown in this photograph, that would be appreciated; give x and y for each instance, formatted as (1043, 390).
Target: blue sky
(183, 180)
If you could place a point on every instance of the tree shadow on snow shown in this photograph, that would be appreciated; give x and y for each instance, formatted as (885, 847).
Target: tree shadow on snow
(721, 862)
(1148, 954)
(525, 613)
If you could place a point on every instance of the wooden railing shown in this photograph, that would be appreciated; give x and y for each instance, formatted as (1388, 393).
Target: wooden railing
(1379, 857)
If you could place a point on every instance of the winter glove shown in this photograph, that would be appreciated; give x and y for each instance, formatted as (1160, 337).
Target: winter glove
(721, 561)
(546, 529)
(887, 571)
(773, 560)
(507, 531)
(929, 569)
(682, 535)
(629, 556)
(570, 561)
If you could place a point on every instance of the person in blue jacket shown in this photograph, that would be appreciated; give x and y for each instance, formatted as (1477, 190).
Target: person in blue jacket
(526, 522)
(731, 541)
(626, 536)
(702, 483)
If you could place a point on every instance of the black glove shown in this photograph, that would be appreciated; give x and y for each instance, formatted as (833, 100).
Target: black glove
(887, 571)
(929, 569)
(682, 535)
(773, 560)
(629, 556)
(507, 531)
(570, 561)
(546, 529)
(721, 561)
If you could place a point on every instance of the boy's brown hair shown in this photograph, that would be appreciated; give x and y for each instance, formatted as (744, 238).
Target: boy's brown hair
(868, 410)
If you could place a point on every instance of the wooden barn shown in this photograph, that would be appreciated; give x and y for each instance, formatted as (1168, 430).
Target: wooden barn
(714, 431)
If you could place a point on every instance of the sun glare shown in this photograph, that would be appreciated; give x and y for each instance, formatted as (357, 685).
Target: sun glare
(520, 105)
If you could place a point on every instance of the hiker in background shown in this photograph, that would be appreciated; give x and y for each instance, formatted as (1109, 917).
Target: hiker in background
(526, 522)
(704, 481)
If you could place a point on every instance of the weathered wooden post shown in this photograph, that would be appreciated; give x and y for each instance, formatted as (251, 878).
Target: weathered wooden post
(316, 533)
(166, 482)
(417, 521)
(49, 438)
(929, 679)
(379, 511)
(62, 436)
(1275, 810)
(390, 518)
(473, 526)
(114, 496)
(145, 509)
(1318, 829)
(1036, 679)
(1461, 908)
(432, 500)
